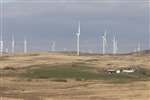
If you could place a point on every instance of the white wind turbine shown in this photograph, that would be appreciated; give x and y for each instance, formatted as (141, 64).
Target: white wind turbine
(25, 45)
(1, 28)
(78, 39)
(53, 46)
(13, 45)
(104, 37)
(6, 50)
(115, 45)
(139, 47)
(1, 44)
(65, 49)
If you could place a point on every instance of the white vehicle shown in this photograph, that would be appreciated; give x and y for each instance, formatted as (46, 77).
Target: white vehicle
(128, 70)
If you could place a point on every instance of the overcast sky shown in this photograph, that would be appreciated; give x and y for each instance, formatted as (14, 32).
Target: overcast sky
(44, 21)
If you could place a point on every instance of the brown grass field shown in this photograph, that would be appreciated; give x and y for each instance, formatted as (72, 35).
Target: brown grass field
(14, 86)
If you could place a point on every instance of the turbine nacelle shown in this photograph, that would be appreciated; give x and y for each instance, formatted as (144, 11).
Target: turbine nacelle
(78, 34)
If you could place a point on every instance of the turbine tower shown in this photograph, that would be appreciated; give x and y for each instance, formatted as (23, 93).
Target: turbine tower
(1, 44)
(53, 46)
(78, 39)
(104, 42)
(1, 31)
(115, 45)
(6, 50)
(25, 45)
(139, 47)
(13, 45)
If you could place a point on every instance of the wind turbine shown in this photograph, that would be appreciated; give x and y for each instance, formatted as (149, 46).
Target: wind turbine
(1, 44)
(25, 45)
(13, 44)
(104, 37)
(139, 47)
(78, 39)
(115, 45)
(1, 28)
(65, 49)
(6, 50)
(53, 46)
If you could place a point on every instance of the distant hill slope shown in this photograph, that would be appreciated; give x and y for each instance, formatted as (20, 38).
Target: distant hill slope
(143, 52)
(146, 52)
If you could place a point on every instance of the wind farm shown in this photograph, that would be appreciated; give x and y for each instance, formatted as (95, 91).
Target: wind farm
(55, 74)
(74, 50)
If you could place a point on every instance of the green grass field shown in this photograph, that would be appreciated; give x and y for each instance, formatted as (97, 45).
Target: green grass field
(83, 72)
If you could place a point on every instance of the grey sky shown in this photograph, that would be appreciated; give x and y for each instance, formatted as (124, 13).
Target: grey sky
(43, 21)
